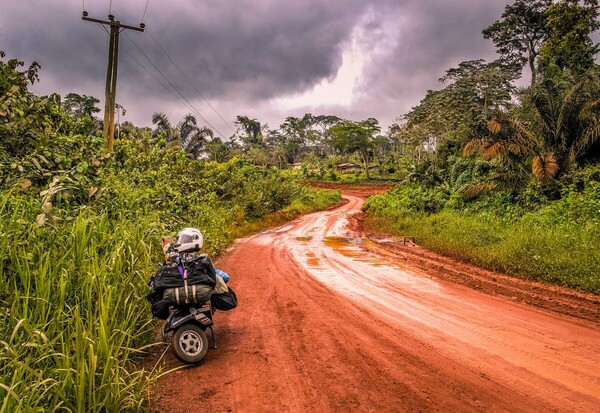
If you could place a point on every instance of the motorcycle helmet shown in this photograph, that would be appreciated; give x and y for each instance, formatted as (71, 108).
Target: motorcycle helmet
(189, 240)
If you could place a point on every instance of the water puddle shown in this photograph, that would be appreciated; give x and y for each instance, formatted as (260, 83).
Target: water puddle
(350, 248)
(312, 260)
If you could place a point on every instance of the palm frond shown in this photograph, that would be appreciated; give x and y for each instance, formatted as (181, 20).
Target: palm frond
(477, 189)
(590, 136)
(473, 146)
(494, 126)
(544, 167)
(496, 150)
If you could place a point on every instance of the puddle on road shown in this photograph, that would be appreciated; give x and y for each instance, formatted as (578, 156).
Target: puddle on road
(312, 260)
(350, 248)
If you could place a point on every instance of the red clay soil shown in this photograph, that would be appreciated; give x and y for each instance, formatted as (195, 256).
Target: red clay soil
(330, 321)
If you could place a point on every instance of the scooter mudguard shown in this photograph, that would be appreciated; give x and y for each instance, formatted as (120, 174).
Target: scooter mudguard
(189, 314)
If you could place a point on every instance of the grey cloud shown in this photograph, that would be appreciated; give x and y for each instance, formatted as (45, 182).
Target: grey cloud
(241, 54)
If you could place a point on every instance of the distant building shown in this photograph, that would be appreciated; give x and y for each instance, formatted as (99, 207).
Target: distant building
(346, 168)
(296, 166)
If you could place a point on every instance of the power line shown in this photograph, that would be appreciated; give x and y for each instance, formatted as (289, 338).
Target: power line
(157, 79)
(173, 86)
(190, 81)
(145, 9)
(188, 104)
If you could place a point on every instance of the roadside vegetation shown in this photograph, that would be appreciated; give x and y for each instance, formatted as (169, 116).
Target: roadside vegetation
(503, 177)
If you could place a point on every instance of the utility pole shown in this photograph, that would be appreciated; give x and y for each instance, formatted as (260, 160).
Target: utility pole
(111, 73)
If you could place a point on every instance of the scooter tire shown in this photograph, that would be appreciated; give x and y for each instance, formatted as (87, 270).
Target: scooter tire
(189, 343)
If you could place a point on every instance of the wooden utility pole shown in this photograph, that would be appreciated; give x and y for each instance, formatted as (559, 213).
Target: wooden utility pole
(111, 73)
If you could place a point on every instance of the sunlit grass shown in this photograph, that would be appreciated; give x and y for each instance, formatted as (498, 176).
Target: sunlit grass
(533, 246)
(74, 315)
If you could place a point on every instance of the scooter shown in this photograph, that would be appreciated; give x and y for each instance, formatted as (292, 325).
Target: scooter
(188, 323)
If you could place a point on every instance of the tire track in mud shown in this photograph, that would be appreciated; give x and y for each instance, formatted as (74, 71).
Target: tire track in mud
(326, 322)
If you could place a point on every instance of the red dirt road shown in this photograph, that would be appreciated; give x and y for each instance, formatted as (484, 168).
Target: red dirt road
(329, 321)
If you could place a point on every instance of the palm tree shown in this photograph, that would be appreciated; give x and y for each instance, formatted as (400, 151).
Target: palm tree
(564, 126)
(163, 126)
(193, 138)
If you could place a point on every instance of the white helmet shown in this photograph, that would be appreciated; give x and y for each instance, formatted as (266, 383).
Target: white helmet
(189, 239)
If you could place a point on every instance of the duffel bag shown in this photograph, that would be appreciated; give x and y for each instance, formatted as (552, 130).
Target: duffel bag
(224, 302)
(195, 294)
(201, 271)
(167, 276)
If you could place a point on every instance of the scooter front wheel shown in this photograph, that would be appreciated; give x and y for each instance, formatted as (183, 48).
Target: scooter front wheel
(189, 343)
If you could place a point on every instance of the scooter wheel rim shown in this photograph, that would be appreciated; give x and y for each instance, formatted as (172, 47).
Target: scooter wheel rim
(190, 343)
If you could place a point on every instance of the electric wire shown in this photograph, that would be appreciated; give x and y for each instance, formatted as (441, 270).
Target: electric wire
(173, 86)
(150, 73)
(145, 9)
(157, 79)
(187, 105)
(189, 80)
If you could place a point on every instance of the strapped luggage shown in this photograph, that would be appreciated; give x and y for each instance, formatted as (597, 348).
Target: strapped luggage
(192, 294)
(160, 309)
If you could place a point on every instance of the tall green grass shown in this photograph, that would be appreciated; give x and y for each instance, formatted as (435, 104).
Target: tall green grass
(73, 314)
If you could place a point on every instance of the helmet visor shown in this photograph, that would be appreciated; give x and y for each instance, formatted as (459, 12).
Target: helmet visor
(187, 238)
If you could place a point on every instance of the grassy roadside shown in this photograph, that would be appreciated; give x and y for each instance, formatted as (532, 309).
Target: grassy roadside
(310, 201)
(556, 244)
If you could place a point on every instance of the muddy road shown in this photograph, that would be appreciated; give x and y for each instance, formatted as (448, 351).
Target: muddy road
(331, 321)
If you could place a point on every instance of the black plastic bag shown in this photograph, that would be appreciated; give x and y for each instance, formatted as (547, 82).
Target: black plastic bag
(224, 302)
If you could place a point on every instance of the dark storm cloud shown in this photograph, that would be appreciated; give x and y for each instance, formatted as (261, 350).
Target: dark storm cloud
(243, 53)
(433, 37)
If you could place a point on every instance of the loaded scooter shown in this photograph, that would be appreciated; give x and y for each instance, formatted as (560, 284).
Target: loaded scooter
(185, 292)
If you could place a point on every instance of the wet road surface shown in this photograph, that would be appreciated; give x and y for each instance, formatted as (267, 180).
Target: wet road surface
(326, 322)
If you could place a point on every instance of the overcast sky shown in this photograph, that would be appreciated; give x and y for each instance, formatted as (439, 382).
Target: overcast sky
(266, 59)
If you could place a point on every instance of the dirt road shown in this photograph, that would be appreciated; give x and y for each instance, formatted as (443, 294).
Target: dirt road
(329, 321)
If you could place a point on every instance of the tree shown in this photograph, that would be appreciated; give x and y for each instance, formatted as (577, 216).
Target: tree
(216, 149)
(80, 105)
(294, 133)
(474, 90)
(193, 137)
(26, 119)
(356, 137)
(163, 127)
(251, 131)
(570, 45)
(520, 33)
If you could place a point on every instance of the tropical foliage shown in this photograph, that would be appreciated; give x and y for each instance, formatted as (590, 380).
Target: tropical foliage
(504, 177)
(80, 237)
